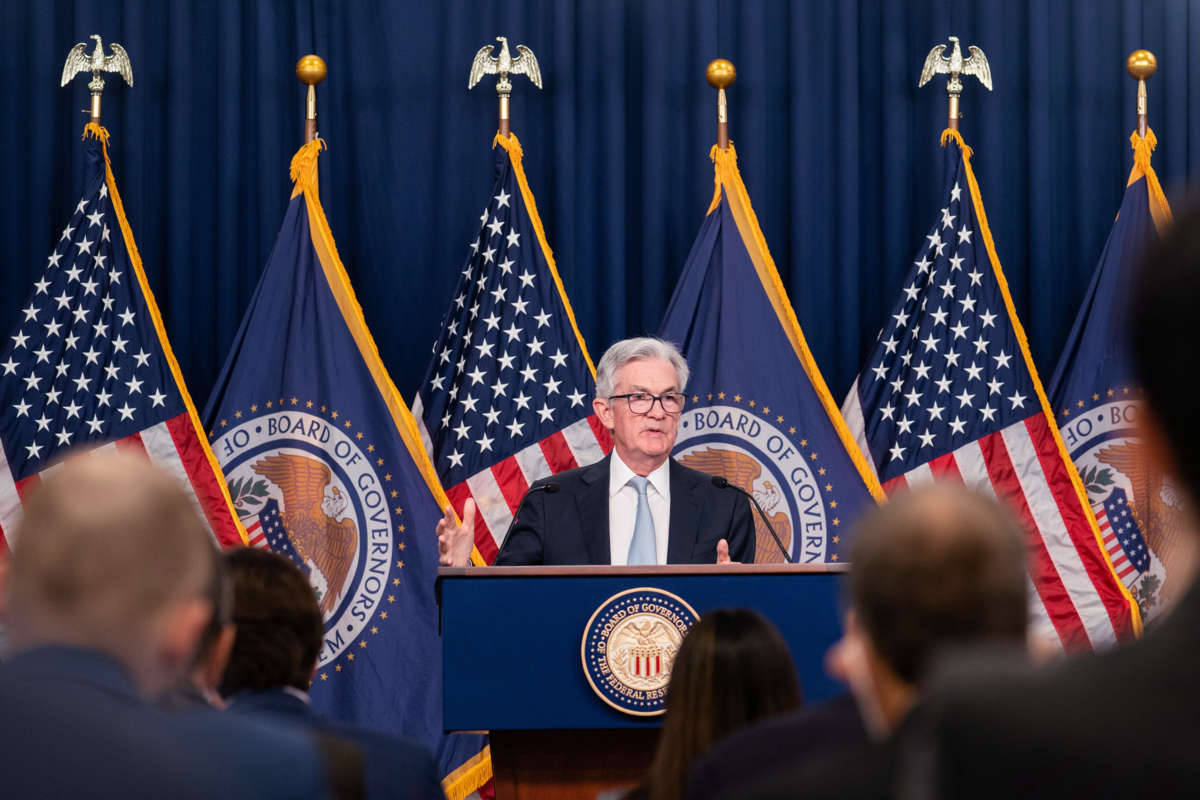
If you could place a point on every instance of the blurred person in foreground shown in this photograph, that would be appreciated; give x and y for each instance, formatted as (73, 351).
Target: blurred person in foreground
(106, 597)
(934, 571)
(1124, 723)
(199, 687)
(280, 632)
(733, 668)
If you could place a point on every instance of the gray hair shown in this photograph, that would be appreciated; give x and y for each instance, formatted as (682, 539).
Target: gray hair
(637, 349)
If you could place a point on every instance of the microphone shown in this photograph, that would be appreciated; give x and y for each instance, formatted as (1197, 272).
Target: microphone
(549, 487)
(721, 482)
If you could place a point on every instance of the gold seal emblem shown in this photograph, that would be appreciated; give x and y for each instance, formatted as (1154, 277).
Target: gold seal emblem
(629, 647)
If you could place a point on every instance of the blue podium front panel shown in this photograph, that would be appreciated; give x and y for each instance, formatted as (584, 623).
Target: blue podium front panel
(512, 638)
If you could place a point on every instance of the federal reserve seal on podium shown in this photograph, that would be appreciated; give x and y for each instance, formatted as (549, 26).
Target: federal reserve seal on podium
(629, 646)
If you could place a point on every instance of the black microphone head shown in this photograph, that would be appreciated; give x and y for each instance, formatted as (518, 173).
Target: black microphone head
(550, 488)
(720, 482)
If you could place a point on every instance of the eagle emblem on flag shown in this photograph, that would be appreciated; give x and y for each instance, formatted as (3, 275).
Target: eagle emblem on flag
(744, 471)
(310, 517)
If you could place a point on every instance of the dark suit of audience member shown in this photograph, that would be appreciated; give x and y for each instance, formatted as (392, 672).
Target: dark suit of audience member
(571, 525)
(94, 634)
(279, 636)
(1125, 723)
(75, 725)
(393, 767)
(935, 570)
(751, 753)
(199, 686)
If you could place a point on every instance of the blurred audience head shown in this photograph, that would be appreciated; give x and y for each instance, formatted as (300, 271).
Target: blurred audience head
(280, 628)
(111, 556)
(935, 569)
(1165, 297)
(201, 685)
(732, 669)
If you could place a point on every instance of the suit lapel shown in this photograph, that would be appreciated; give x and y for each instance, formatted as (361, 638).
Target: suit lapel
(592, 503)
(685, 515)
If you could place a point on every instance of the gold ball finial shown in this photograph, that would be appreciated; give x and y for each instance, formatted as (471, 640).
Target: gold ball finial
(310, 70)
(1141, 64)
(720, 73)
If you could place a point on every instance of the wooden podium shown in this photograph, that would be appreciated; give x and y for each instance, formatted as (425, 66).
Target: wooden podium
(512, 644)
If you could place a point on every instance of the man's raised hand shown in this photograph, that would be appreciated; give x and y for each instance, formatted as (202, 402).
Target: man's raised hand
(455, 541)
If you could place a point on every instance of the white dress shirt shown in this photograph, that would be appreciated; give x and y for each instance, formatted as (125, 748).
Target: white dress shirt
(622, 509)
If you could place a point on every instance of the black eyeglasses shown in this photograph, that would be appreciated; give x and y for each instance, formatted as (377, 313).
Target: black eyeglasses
(642, 402)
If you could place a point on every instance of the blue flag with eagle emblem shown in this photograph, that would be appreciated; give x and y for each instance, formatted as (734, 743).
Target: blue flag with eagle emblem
(326, 466)
(759, 412)
(1094, 395)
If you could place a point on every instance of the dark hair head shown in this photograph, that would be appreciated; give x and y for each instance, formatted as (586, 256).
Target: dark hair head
(1166, 294)
(939, 566)
(732, 668)
(279, 624)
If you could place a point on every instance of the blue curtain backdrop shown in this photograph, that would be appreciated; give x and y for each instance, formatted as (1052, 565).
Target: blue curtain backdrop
(838, 147)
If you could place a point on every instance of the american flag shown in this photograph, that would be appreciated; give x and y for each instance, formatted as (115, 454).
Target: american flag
(89, 366)
(507, 397)
(950, 392)
(1122, 538)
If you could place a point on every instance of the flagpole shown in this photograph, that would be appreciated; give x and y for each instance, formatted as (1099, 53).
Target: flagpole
(310, 70)
(1141, 64)
(721, 73)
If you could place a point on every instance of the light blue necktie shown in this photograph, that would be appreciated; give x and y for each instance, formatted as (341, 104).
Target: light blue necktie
(642, 549)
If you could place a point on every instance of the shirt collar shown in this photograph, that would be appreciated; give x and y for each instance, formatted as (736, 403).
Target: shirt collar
(298, 694)
(619, 475)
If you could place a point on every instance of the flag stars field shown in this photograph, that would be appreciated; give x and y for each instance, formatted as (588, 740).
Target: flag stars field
(508, 377)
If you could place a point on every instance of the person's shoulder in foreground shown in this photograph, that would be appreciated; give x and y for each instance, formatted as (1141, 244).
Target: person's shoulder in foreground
(394, 767)
(754, 752)
(93, 635)
(279, 639)
(1107, 725)
(1125, 723)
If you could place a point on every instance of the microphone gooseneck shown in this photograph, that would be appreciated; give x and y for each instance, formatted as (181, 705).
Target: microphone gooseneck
(721, 482)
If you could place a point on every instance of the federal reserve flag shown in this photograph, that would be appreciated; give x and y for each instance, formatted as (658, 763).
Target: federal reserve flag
(950, 392)
(325, 460)
(89, 365)
(1094, 396)
(758, 411)
(507, 397)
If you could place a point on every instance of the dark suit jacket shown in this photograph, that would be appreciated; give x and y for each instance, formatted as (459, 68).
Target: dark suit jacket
(770, 745)
(1125, 723)
(866, 770)
(394, 767)
(571, 525)
(73, 725)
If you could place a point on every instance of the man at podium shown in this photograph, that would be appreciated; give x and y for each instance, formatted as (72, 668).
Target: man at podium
(635, 506)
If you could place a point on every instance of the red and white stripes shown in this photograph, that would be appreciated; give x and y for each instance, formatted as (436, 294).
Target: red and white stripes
(172, 445)
(1124, 568)
(1022, 466)
(497, 491)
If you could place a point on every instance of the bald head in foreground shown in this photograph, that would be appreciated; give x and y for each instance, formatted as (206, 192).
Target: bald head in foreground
(108, 591)
(112, 558)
